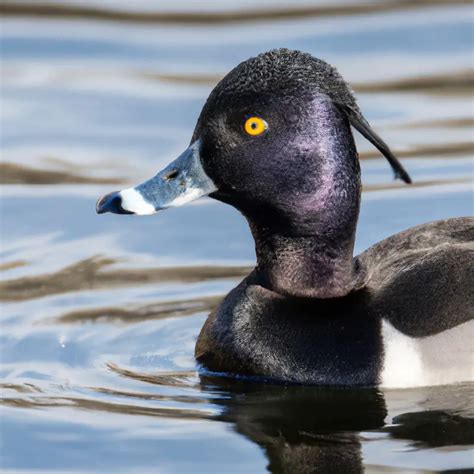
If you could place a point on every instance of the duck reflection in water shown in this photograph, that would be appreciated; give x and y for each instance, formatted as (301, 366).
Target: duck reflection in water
(318, 429)
(302, 429)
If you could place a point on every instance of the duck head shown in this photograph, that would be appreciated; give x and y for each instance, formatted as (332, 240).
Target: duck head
(274, 140)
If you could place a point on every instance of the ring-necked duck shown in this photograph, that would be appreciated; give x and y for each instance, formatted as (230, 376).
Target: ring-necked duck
(274, 140)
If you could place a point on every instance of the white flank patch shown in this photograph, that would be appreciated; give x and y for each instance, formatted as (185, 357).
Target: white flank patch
(133, 201)
(444, 358)
(402, 362)
(189, 195)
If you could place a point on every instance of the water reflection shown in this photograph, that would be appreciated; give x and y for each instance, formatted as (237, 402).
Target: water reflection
(299, 429)
(434, 428)
(303, 429)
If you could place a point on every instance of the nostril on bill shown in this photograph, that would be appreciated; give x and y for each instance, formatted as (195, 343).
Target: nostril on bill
(171, 175)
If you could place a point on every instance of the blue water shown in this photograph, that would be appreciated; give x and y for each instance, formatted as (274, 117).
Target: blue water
(96, 342)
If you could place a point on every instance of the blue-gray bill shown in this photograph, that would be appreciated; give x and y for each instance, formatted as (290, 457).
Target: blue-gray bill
(182, 181)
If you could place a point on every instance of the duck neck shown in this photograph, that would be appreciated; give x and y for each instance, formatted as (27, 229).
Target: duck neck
(309, 266)
(305, 248)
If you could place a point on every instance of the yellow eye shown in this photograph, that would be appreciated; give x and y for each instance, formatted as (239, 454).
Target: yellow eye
(255, 126)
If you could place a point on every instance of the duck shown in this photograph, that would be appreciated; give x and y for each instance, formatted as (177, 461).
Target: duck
(274, 140)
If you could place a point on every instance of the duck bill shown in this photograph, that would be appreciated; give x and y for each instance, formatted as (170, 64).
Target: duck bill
(182, 181)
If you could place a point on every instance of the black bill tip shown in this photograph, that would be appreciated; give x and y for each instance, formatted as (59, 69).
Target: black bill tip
(111, 202)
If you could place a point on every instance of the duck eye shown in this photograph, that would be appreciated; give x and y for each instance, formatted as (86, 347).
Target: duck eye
(255, 126)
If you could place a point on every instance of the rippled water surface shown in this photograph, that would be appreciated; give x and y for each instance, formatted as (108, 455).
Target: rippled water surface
(100, 313)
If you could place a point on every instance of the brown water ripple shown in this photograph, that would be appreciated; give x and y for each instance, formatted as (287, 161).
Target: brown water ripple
(181, 379)
(416, 184)
(103, 406)
(462, 122)
(160, 310)
(11, 173)
(11, 265)
(252, 15)
(150, 396)
(88, 274)
(20, 388)
(433, 151)
(454, 82)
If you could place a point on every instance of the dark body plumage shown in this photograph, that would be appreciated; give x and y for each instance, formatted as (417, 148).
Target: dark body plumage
(418, 281)
(310, 312)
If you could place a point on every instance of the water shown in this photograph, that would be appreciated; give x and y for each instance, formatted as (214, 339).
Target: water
(100, 313)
